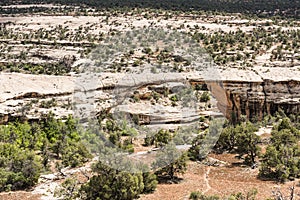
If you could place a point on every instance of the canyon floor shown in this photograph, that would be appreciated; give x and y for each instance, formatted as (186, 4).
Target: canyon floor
(211, 180)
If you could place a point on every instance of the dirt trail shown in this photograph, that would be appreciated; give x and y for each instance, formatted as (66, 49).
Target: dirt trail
(205, 178)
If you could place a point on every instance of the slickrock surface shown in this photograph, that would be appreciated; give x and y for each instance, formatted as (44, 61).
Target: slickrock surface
(253, 92)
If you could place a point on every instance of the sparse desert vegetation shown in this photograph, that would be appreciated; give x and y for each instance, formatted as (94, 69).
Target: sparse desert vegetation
(98, 102)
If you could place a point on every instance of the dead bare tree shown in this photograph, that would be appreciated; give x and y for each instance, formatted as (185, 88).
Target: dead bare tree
(278, 195)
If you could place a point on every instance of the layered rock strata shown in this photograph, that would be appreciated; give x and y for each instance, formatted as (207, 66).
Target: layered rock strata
(254, 93)
(258, 92)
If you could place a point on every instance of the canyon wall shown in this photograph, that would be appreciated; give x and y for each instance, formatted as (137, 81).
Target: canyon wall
(264, 95)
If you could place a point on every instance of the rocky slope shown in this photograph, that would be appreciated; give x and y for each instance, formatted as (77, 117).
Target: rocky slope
(25, 96)
(254, 93)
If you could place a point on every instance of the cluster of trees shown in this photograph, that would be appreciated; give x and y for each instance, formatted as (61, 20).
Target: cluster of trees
(159, 139)
(26, 150)
(111, 183)
(33, 42)
(251, 195)
(54, 33)
(280, 162)
(55, 68)
(121, 135)
(282, 158)
(167, 164)
(116, 176)
(240, 139)
(170, 162)
(34, 9)
(237, 46)
(245, 46)
(289, 8)
(122, 179)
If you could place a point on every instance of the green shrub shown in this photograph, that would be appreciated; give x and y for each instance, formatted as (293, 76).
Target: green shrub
(204, 97)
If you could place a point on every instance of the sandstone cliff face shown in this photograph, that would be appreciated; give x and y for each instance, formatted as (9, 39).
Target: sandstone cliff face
(279, 88)
(282, 94)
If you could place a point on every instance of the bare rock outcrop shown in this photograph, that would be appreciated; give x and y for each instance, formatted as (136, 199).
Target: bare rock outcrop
(29, 96)
(258, 92)
(254, 92)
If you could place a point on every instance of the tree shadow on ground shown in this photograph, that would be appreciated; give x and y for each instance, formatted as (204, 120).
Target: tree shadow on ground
(168, 180)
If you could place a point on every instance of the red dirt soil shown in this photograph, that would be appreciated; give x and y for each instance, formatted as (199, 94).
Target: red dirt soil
(19, 195)
(222, 181)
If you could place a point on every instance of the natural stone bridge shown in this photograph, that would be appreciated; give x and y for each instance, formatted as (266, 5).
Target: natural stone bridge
(254, 93)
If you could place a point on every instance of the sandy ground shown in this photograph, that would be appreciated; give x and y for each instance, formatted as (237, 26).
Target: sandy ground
(19, 195)
(221, 181)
